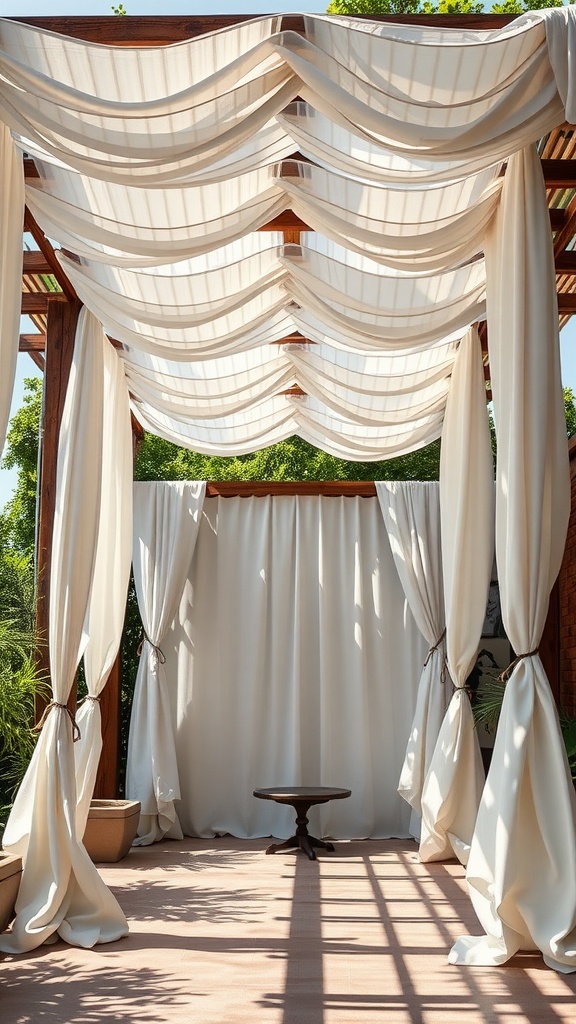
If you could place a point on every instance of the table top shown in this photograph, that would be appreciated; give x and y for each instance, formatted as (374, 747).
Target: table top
(289, 794)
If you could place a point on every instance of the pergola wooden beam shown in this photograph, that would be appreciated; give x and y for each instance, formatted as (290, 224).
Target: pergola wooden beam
(35, 262)
(49, 254)
(36, 302)
(32, 343)
(567, 303)
(161, 31)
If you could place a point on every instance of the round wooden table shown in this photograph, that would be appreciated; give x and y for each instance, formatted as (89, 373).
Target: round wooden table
(302, 798)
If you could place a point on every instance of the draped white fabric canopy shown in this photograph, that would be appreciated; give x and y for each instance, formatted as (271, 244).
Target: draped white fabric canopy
(156, 167)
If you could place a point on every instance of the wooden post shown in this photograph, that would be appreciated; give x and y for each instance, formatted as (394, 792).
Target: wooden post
(60, 333)
(107, 779)
(550, 643)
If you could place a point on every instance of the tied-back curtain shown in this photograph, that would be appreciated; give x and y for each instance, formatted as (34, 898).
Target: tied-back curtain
(520, 872)
(61, 891)
(107, 603)
(411, 514)
(297, 661)
(166, 521)
(454, 783)
(11, 219)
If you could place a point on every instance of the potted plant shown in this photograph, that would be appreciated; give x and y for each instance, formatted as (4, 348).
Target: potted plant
(487, 705)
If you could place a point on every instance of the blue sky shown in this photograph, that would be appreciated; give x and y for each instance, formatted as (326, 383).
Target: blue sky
(37, 8)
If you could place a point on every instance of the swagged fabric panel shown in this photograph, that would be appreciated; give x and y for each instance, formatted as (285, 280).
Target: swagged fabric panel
(136, 131)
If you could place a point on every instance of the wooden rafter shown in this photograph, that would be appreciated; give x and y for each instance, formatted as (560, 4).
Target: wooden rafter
(32, 343)
(49, 254)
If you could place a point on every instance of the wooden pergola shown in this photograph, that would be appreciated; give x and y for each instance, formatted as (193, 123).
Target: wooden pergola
(50, 300)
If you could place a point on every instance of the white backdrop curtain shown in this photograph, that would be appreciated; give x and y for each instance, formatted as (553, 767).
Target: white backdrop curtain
(455, 779)
(520, 873)
(411, 514)
(107, 601)
(11, 220)
(296, 660)
(166, 521)
(61, 891)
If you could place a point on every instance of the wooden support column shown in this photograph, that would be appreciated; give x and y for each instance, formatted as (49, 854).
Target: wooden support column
(60, 334)
(550, 643)
(108, 777)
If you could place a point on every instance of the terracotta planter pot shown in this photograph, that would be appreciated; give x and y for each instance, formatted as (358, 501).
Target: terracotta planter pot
(10, 875)
(111, 829)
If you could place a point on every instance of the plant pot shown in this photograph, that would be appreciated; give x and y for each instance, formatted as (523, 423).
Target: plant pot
(10, 875)
(111, 829)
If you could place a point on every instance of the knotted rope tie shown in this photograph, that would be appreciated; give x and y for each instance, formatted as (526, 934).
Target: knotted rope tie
(64, 707)
(505, 675)
(89, 696)
(157, 650)
(431, 650)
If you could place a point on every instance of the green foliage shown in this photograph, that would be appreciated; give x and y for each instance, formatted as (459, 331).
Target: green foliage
(453, 7)
(293, 459)
(487, 705)
(120, 10)
(19, 679)
(369, 8)
(570, 411)
(18, 520)
(568, 727)
(373, 8)
(508, 7)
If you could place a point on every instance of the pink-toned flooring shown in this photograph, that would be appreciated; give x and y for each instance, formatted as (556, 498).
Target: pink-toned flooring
(222, 934)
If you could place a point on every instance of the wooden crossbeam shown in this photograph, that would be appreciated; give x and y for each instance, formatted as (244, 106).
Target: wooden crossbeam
(565, 262)
(559, 173)
(35, 262)
(49, 254)
(32, 343)
(566, 231)
(258, 489)
(567, 303)
(34, 302)
(160, 31)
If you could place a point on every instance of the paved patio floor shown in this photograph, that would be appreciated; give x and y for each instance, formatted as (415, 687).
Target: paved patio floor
(222, 934)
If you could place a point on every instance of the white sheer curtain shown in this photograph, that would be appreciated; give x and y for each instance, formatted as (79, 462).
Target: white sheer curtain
(520, 872)
(455, 779)
(11, 219)
(107, 603)
(61, 891)
(411, 514)
(166, 521)
(297, 660)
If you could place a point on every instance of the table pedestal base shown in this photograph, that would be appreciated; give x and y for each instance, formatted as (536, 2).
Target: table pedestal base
(302, 840)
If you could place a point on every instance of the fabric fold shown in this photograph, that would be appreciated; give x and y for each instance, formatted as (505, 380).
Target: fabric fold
(166, 523)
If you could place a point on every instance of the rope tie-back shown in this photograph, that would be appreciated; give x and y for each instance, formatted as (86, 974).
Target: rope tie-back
(505, 675)
(64, 707)
(89, 696)
(435, 646)
(157, 650)
(431, 650)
